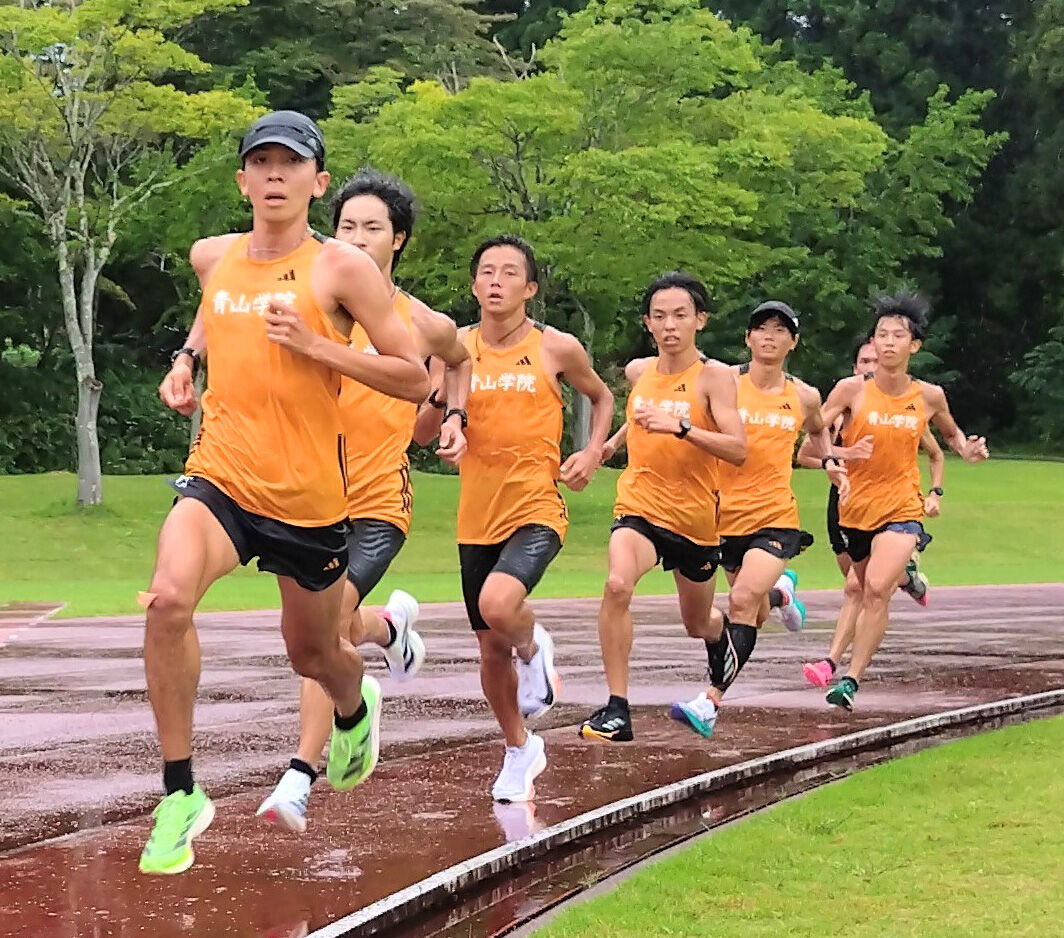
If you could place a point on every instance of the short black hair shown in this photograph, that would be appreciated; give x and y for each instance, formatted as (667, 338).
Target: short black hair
(685, 281)
(392, 191)
(910, 306)
(506, 240)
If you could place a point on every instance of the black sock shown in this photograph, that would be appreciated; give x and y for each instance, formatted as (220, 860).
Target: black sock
(775, 598)
(349, 723)
(834, 667)
(305, 767)
(177, 776)
(853, 681)
(730, 652)
(617, 703)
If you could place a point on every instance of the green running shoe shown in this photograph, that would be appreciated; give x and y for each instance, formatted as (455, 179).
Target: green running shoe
(353, 753)
(843, 693)
(792, 575)
(178, 818)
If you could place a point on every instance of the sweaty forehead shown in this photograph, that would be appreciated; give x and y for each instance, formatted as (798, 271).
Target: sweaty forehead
(502, 255)
(672, 300)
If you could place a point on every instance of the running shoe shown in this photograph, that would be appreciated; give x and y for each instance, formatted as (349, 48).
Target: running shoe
(843, 694)
(178, 819)
(406, 654)
(819, 673)
(792, 612)
(918, 587)
(537, 680)
(286, 805)
(520, 766)
(353, 753)
(609, 723)
(700, 714)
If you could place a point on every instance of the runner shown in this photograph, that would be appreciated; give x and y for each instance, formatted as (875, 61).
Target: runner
(914, 583)
(265, 477)
(881, 518)
(511, 517)
(375, 213)
(681, 418)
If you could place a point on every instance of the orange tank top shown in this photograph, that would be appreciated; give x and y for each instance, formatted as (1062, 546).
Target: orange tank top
(377, 433)
(758, 493)
(509, 474)
(670, 482)
(271, 437)
(885, 487)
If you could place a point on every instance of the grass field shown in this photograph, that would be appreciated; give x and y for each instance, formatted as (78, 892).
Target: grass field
(963, 840)
(996, 527)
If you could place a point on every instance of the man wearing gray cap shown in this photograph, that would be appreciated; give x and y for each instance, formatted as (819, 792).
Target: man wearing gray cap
(266, 476)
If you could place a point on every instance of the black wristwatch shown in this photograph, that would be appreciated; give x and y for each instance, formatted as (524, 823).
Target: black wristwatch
(685, 428)
(824, 460)
(191, 353)
(435, 401)
(461, 413)
(936, 490)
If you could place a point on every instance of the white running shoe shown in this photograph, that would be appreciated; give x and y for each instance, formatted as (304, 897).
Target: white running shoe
(520, 766)
(537, 681)
(287, 804)
(406, 654)
(793, 613)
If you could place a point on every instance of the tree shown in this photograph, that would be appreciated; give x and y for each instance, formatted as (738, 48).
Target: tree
(94, 131)
(657, 137)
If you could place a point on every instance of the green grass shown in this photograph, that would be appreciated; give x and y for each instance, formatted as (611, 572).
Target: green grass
(996, 528)
(963, 840)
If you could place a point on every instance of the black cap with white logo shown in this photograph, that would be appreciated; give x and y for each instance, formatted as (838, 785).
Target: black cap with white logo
(774, 309)
(290, 129)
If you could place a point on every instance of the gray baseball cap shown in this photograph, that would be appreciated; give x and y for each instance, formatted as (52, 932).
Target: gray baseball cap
(290, 129)
(777, 309)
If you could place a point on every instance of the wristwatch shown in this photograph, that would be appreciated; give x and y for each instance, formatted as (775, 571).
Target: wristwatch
(685, 428)
(461, 413)
(936, 490)
(191, 353)
(826, 459)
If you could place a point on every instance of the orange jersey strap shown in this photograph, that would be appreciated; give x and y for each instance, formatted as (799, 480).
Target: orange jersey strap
(509, 474)
(758, 493)
(670, 482)
(271, 437)
(885, 487)
(377, 434)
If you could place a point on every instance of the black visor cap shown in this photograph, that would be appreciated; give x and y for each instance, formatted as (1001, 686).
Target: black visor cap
(290, 129)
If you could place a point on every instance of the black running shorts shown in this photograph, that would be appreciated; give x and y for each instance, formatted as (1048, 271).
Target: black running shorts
(371, 547)
(784, 543)
(859, 543)
(524, 555)
(835, 536)
(314, 557)
(692, 561)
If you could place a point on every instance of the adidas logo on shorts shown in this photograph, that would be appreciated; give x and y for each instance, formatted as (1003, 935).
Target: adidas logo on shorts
(332, 564)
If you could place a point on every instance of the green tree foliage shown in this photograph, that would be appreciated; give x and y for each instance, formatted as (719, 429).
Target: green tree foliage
(657, 136)
(298, 50)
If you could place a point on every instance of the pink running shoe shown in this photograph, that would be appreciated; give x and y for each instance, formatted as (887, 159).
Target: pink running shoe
(818, 673)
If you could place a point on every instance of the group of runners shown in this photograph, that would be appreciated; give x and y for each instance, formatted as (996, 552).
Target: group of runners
(321, 373)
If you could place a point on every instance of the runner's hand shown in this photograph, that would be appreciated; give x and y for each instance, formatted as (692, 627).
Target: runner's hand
(452, 445)
(840, 478)
(177, 390)
(656, 420)
(862, 449)
(285, 327)
(578, 469)
(608, 452)
(932, 506)
(974, 449)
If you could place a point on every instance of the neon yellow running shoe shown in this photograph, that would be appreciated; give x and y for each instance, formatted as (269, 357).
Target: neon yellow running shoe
(178, 818)
(353, 753)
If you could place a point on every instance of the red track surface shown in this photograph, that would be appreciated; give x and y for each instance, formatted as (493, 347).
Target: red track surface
(77, 752)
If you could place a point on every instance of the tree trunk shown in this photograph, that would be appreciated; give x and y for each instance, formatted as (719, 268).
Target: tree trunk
(581, 404)
(90, 477)
(197, 415)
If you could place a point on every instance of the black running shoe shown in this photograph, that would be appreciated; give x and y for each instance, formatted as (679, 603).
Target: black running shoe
(609, 723)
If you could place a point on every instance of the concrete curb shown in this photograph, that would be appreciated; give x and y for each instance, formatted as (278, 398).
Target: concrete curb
(433, 890)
